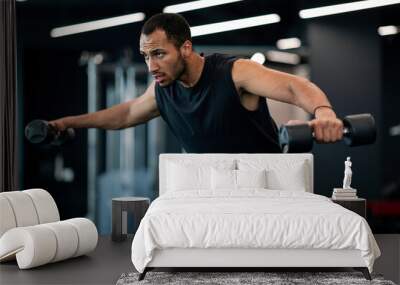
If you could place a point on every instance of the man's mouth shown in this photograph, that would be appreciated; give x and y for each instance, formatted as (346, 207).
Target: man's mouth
(159, 77)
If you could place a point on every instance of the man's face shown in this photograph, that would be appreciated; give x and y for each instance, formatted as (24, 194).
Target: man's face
(163, 58)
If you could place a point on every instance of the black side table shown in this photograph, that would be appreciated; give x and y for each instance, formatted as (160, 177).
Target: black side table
(120, 208)
(357, 205)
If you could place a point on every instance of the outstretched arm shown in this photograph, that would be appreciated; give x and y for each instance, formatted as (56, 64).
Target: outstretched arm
(124, 115)
(256, 79)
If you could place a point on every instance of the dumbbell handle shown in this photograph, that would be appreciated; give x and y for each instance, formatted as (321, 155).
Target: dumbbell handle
(346, 131)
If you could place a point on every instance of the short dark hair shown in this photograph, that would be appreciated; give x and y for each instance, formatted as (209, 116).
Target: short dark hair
(175, 26)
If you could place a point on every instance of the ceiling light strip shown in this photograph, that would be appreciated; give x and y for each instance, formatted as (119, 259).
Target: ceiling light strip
(345, 8)
(288, 43)
(388, 30)
(234, 25)
(96, 25)
(283, 57)
(194, 5)
(258, 57)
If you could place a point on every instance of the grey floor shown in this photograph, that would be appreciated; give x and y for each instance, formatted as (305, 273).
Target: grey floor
(389, 263)
(111, 259)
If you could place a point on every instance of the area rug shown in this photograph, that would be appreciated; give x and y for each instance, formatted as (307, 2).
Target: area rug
(244, 278)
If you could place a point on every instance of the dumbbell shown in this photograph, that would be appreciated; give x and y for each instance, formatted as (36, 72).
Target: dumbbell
(42, 133)
(358, 130)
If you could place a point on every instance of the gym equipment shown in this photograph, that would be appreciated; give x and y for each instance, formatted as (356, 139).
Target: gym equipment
(358, 130)
(42, 133)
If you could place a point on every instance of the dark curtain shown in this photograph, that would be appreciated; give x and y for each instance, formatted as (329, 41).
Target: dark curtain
(8, 97)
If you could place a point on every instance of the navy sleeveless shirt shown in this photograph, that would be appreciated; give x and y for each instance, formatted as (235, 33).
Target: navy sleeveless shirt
(209, 117)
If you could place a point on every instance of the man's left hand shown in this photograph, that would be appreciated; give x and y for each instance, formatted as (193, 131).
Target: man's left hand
(326, 126)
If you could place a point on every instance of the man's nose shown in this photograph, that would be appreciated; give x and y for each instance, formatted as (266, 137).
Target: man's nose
(152, 65)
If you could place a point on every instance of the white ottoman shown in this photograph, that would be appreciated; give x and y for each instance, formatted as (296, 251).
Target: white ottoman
(31, 231)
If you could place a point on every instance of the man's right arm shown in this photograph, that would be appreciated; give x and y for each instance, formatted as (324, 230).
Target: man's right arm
(124, 115)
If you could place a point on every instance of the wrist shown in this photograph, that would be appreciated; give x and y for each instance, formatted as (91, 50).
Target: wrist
(324, 111)
(66, 122)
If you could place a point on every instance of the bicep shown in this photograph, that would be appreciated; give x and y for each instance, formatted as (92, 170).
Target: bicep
(259, 80)
(143, 108)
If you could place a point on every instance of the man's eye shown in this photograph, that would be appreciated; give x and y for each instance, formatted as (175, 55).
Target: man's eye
(159, 54)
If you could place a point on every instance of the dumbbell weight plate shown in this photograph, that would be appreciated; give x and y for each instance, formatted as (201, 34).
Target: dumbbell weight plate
(296, 138)
(361, 129)
(37, 131)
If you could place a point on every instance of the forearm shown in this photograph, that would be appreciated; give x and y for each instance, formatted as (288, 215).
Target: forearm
(326, 126)
(112, 118)
(307, 95)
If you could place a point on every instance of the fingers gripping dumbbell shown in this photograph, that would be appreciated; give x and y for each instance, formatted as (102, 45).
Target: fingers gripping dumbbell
(358, 130)
(41, 132)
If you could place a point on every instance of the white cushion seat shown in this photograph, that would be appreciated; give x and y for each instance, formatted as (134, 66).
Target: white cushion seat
(31, 231)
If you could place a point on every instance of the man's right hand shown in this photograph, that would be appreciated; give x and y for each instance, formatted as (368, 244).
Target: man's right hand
(59, 124)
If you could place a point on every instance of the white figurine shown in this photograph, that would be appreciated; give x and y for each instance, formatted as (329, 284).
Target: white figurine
(347, 174)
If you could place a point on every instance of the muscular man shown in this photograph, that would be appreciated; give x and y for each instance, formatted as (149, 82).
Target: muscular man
(212, 104)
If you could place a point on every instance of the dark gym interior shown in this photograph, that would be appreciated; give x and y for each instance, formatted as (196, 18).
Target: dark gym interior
(345, 55)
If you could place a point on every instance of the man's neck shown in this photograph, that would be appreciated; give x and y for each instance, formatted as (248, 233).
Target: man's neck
(193, 70)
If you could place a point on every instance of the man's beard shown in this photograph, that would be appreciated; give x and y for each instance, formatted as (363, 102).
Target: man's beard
(178, 74)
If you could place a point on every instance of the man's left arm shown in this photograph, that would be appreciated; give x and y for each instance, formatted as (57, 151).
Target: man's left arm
(256, 79)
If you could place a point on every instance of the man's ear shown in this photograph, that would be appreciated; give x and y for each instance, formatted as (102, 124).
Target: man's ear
(186, 48)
